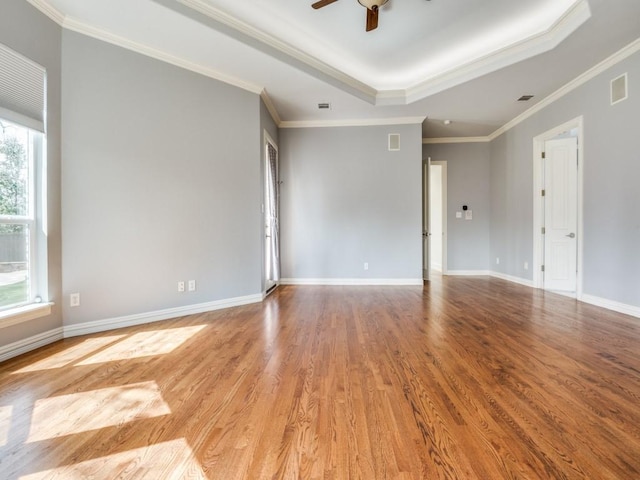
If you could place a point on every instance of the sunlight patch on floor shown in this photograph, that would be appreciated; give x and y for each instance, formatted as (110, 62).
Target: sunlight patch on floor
(5, 424)
(81, 412)
(169, 460)
(145, 344)
(71, 354)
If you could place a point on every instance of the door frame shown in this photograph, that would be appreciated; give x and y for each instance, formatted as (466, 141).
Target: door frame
(538, 203)
(443, 164)
(426, 220)
(267, 139)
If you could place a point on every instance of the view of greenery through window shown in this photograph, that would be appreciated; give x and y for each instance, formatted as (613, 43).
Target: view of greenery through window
(15, 215)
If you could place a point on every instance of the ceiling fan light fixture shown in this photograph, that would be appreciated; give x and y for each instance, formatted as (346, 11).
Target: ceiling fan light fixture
(372, 3)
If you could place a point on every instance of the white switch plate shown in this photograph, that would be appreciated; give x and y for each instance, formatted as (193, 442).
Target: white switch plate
(458, 214)
(526, 265)
(468, 215)
(366, 265)
(192, 285)
(181, 286)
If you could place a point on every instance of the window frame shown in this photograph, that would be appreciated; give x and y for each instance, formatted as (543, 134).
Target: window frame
(36, 304)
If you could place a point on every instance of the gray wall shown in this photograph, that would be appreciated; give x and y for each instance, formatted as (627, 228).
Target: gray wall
(33, 35)
(161, 183)
(468, 183)
(611, 193)
(347, 200)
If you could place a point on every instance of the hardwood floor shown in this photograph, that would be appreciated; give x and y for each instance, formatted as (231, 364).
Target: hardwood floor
(468, 378)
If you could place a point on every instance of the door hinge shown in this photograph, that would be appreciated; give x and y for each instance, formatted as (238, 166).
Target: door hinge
(543, 193)
(543, 230)
(542, 268)
(544, 154)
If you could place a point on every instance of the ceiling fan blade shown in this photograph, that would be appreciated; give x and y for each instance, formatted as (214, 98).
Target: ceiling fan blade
(323, 3)
(372, 18)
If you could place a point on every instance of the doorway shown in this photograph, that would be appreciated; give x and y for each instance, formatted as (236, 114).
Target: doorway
(438, 216)
(271, 215)
(434, 218)
(558, 209)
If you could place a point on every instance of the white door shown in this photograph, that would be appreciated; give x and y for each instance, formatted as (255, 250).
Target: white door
(426, 235)
(561, 214)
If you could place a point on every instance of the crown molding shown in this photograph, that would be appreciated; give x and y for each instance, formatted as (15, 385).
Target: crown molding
(527, 48)
(106, 36)
(367, 92)
(596, 70)
(50, 11)
(364, 122)
(593, 72)
(270, 107)
(545, 41)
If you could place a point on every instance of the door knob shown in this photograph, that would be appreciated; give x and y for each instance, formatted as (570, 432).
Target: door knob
(571, 235)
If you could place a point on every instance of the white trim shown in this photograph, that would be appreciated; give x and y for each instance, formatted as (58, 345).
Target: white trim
(593, 72)
(155, 316)
(512, 279)
(28, 344)
(17, 315)
(527, 48)
(108, 37)
(273, 111)
(352, 281)
(433, 141)
(602, 67)
(362, 122)
(49, 10)
(369, 93)
(538, 241)
(468, 273)
(632, 310)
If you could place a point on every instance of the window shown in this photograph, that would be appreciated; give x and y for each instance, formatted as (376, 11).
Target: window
(20, 149)
(23, 239)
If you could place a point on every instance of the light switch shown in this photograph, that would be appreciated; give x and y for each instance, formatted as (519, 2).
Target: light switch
(458, 214)
(468, 215)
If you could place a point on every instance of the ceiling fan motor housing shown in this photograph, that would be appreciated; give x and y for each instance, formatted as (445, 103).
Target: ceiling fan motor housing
(372, 3)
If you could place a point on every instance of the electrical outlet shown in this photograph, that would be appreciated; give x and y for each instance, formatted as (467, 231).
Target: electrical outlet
(192, 285)
(74, 300)
(366, 265)
(181, 286)
(497, 260)
(526, 265)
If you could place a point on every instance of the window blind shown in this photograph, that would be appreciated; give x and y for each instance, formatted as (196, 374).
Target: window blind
(22, 90)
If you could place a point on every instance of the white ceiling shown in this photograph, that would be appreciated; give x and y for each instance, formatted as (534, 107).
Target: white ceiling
(463, 60)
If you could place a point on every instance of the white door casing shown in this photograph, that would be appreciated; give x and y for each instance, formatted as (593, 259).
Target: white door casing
(561, 214)
(426, 235)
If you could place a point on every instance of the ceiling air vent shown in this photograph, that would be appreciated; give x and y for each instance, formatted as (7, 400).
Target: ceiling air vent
(525, 98)
(324, 106)
(619, 89)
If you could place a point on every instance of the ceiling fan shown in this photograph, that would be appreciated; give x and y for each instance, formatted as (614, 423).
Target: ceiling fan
(372, 6)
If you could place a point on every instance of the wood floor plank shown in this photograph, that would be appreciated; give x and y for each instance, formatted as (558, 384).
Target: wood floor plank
(465, 378)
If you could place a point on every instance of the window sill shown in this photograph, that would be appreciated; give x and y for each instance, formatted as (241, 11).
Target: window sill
(25, 313)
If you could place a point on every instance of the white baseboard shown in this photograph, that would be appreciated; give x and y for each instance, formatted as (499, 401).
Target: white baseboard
(511, 278)
(31, 343)
(611, 305)
(352, 281)
(468, 273)
(149, 317)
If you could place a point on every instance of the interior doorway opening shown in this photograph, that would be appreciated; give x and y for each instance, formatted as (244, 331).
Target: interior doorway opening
(271, 208)
(438, 215)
